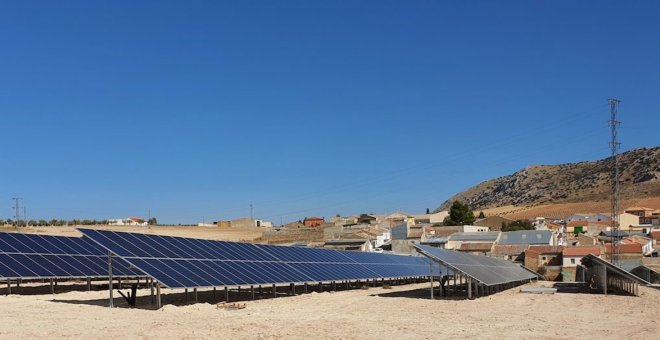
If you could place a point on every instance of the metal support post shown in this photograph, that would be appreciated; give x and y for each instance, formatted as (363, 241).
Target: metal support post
(274, 291)
(52, 287)
(215, 295)
(110, 304)
(195, 292)
(252, 291)
(159, 303)
(151, 288)
(469, 288)
(89, 284)
(226, 294)
(604, 279)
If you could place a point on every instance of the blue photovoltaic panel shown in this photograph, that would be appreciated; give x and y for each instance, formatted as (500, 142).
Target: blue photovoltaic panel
(179, 262)
(42, 256)
(487, 270)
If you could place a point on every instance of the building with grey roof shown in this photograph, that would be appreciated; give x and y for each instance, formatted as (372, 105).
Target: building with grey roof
(488, 236)
(457, 239)
(541, 237)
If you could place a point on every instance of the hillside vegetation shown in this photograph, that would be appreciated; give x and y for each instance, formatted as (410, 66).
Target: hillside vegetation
(566, 183)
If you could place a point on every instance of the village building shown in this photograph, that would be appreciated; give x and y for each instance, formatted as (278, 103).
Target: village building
(457, 239)
(530, 237)
(367, 219)
(349, 244)
(586, 240)
(127, 221)
(601, 217)
(512, 252)
(571, 257)
(645, 242)
(655, 237)
(546, 260)
(311, 222)
(629, 253)
(476, 248)
(640, 211)
(435, 218)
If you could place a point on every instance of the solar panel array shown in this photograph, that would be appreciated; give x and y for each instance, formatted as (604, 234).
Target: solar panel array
(178, 262)
(32, 256)
(487, 270)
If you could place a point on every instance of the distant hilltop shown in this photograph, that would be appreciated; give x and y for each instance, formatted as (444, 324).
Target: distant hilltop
(565, 183)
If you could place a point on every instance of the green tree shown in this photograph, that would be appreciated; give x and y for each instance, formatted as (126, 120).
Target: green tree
(517, 225)
(481, 215)
(152, 221)
(459, 214)
(428, 211)
(2, 222)
(42, 223)
(10, 221)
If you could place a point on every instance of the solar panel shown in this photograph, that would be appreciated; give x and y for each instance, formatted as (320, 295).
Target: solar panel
(178, 262)
(487, 270)
(28, 256)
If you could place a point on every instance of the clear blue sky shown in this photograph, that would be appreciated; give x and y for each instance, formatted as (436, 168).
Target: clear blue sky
(199, 108)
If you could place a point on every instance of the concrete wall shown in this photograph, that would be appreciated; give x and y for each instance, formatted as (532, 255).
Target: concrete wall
(475, 229)
(403, 247)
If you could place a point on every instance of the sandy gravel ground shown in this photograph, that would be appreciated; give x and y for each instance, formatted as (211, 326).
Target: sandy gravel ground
(403, 312)
(211, 233)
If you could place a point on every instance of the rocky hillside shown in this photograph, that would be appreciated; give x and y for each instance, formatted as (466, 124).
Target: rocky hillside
(573, 182)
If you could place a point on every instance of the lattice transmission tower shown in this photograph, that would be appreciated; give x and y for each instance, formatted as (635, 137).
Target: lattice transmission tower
(614, 145)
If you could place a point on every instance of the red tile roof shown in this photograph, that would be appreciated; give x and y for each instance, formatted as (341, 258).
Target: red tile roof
(655, 234)
(544, 249)
(581, 251)
(479, 246)
(632, 248)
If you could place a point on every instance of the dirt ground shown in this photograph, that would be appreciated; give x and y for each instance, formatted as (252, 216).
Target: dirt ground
(211, 233)
(403, 312)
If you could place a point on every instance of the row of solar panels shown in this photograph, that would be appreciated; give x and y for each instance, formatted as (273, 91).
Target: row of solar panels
(179, 262)
(487, 270)
(32, 256)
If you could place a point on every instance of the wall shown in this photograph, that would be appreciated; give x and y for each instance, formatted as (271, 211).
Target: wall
(474, 229)
(566, 262)
(332, 232)
(403, 247)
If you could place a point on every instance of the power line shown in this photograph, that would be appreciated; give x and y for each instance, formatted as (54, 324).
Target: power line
(18, 209)
(614, 145)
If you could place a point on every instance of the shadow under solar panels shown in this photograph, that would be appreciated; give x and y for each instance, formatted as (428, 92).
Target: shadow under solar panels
(178, 262)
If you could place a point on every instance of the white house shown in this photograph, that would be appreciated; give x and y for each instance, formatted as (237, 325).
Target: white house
(127, 221)
(571, 256)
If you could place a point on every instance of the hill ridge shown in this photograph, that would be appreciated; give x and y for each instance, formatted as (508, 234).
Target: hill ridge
(567, 182)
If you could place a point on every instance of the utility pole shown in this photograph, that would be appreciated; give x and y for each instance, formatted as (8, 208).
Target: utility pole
(614, 145)
(18, 209)
(251, 212)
